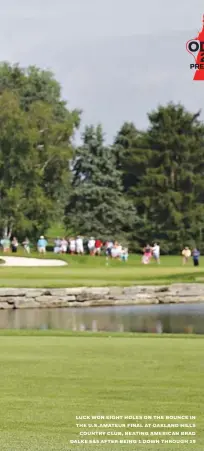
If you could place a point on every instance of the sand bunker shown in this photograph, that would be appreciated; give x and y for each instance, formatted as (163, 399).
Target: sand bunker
(23, 261)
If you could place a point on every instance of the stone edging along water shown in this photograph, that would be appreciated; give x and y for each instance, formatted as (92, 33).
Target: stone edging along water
(18, 298)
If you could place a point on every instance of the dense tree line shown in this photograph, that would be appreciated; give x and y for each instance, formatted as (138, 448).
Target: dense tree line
(147, 186)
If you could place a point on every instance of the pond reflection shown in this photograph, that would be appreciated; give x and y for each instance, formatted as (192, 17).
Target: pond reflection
(171, 318)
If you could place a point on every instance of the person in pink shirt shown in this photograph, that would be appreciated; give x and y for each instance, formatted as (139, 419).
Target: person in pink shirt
(147, 255)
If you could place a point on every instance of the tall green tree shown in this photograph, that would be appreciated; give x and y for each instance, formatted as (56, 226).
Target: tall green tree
(132, 156)
(33, 84)
(36, 148)
(97, 205)
(172, 189)
(162, 170)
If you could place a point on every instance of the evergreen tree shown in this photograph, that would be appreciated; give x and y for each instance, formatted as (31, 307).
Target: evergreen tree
(97, 205)
(131, 154)
(163, 172)
(172, 189)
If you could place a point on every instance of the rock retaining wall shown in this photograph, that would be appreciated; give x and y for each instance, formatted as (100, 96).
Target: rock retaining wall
(18, 298)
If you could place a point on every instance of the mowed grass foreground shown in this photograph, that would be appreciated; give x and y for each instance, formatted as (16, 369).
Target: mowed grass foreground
(46, 381)
(96, 271)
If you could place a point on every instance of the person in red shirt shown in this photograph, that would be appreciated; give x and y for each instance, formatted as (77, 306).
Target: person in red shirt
(98, 246)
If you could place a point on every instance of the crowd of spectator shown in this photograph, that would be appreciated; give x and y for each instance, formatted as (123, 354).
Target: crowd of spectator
(187, 253)
(92, 246)
(7, 244)
(73, 245)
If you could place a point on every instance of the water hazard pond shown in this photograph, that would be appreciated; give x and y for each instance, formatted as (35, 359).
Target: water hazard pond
(178, 318)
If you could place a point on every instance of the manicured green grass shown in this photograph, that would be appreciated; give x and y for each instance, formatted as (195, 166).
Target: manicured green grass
(70, 333)
(94, 271)
(46, 381)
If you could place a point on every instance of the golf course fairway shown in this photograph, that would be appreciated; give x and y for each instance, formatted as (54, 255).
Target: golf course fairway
(48, 379)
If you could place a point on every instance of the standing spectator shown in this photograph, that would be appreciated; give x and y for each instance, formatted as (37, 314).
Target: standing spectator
(72, 246)
(91, 246)
(98, 246)
(186, 253)
(57, 246)
(116, 250)
(79, 245)
(120, 250)
(42, 244)
(124, 254)
(64, 246)
(26, 245)
(147, 255)
(195, 255)
(108, 245)
(6, 244)
(156, 252)
(14, 244)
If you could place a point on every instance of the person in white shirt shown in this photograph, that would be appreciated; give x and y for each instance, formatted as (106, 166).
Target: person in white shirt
(116, 250)
(72, 245)
(91, 246)
(79, 245)
(26, 245)
(120, 249)
(156, 252)
(64, 245)
(109, 246)
(57, 246)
